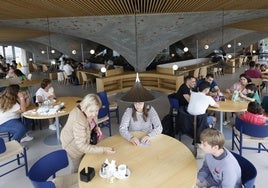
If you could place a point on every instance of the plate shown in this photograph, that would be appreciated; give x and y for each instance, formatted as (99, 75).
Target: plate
(116, 174)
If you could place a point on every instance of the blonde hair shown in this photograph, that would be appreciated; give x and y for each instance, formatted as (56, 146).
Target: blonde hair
(213, 137)
(90, 102)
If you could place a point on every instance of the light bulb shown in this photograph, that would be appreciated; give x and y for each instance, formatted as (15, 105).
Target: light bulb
(74, 52)
(229, 46)
(206, 46)
(30, 59)
(239, 44)
(52, 51)
(43, 52)
(185, 49)
(175, 67)
(103, 69)
(92, 51)
(229, 56)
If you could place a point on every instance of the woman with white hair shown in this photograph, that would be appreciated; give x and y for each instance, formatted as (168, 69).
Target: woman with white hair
(77, 134)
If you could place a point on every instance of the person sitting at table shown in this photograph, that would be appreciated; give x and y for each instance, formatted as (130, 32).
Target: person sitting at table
(10, 73)
(240, 86)
(46, 92)
(200, 101)
(214, 88)
(68, 69)
(220, 168)
(77, 132)
(252, 94)
(12, 104)
(184, 92)
(22, 77)
(254, 114)
(140, 117)
(87, 64)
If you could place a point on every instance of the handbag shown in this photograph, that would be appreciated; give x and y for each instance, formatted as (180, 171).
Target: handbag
(93, 137)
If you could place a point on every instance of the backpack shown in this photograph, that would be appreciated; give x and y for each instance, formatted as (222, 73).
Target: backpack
(167, 124)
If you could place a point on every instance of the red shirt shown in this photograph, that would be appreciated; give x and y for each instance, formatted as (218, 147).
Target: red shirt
(256, 119)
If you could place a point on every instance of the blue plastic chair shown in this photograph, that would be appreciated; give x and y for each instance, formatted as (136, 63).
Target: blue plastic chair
(264, 103)
(248, 171)
(244, 131)
(104, 113)
(113, 107)
(46, 167)
(174, 104)
(7, 135)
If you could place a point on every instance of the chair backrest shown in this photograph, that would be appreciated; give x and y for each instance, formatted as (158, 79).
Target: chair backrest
(248, 171)
(104, 110)
(84, 76)
(265, 103)
(29, 76)
(46, 167)
(2, 145)
(251, 129)
(174, 102)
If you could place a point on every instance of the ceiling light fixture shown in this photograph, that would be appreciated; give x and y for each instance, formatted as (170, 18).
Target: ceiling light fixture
(185, 49)
(92, 52)
(206, 46)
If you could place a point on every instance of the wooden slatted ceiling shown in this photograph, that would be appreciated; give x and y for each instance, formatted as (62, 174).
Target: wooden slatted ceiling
(17, 34)
(26, 9)
(260, 25)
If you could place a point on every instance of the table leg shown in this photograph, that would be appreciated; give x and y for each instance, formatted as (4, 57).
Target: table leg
(54, 139)
(221, 121)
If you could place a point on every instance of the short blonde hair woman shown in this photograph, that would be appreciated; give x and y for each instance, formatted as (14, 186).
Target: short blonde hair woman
(76, 134)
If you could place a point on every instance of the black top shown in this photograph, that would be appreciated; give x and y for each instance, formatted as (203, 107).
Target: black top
(183, 90)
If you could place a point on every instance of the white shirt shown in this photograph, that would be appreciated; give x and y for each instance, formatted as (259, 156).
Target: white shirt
(68, 69)
(10, 114)
(41, 92)
(199, 102)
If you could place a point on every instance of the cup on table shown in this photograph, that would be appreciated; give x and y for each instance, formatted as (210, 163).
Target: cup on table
(122, 170)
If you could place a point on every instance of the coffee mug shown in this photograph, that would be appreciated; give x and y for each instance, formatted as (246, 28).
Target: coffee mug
(122, 170)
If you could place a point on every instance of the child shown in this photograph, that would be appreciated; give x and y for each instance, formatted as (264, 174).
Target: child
(254, 114)
(220, 168)
(252, 93)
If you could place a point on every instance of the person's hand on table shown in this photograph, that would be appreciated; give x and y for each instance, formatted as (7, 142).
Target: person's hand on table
(145, 139)
(134, 140)
(108, 150)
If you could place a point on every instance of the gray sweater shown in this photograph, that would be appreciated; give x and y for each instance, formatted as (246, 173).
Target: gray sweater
(223, 172)
(153, 124)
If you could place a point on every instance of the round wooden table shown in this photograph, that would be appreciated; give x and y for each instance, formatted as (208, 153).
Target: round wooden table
(166, 162)
(229, 106)
(69, 104)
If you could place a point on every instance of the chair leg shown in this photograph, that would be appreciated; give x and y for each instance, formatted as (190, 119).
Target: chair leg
(25, 161)
(195, 144)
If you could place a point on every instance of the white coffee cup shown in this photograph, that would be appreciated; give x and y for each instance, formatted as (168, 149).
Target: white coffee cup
(122, 170)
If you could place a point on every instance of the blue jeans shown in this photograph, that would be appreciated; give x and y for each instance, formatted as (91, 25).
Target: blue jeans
(15, 127)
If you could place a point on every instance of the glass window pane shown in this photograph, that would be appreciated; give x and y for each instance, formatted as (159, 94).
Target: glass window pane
(9, 55)
(18, 54)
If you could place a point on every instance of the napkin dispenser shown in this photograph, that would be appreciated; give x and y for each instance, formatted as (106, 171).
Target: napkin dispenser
(88, 175)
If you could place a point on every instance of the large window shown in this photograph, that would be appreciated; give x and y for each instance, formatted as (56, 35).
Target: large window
(12, 53)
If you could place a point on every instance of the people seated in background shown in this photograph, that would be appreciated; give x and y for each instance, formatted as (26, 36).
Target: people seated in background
(109, 65)
(200, 101)
(46, 92)
(252, 72)
(140, 117)
(254, 114)
(184, 92)
(263, 68)
(252, 94)
(12, 104)
(76, 134)
(220, 168)
(87, 64)
(68, 69)
(10, 73)
(214, 88)
(240, 86)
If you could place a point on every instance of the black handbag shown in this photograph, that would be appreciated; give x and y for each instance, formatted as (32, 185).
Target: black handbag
(93, 137)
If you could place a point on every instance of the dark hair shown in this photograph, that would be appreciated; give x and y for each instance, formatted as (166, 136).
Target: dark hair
(204, 85)
(252, 64)
(18, 72)
(45, 83)
(188, 78)
(209, 75)
(145, 111)
(245, 76)
(252, 87)
(255, 108)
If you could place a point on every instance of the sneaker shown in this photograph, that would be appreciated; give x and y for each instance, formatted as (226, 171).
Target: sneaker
(27, 138)
(226, 123)
(52, 127)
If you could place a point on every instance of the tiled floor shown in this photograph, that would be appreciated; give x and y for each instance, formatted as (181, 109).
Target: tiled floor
(37, 148)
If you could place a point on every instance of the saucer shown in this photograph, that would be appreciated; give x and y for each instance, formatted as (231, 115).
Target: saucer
(116, 174)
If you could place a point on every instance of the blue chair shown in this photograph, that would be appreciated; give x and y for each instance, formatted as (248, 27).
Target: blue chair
(47, 167)
(7, 135)
(113, 107)
(264, 103)
(104, 113)
(248, 171)
(10, 152)
(174, 104)
(243, 131)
